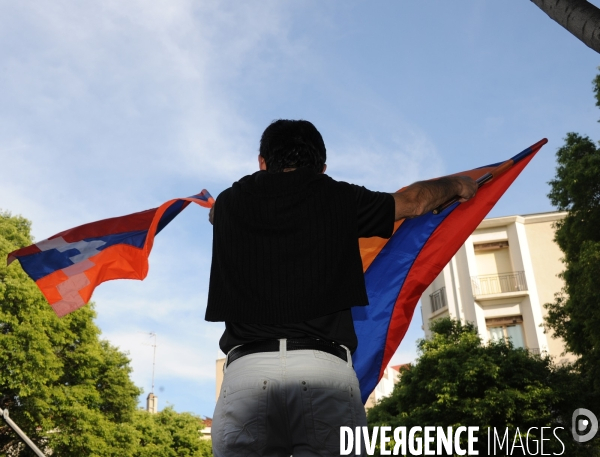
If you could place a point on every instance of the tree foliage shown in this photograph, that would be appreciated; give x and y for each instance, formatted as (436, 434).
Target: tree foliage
(575, 313)
(67, 389)
(170, 434)
(458, 381)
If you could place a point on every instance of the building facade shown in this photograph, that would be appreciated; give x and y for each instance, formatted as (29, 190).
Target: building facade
(152, 403)
(385, 386)
(500, 280)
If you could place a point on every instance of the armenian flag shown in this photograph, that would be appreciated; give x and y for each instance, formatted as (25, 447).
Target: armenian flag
(399, 269)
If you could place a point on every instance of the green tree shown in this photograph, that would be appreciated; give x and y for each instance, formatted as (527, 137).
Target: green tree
(575, 313)
(66, 388)
(458, 381)
(170, 434)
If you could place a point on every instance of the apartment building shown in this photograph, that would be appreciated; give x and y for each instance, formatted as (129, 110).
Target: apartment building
(385, 386)
(500, 279)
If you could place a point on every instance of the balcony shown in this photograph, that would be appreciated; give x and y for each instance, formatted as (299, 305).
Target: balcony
(505, 284)
(438, 300)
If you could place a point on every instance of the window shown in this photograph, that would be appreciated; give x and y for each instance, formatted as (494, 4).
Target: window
(507, 329)
(438, 300)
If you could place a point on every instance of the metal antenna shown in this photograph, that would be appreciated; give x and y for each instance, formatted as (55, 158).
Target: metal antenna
(152, 334)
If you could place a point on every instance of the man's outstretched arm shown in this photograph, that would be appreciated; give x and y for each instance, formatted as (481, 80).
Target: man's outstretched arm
(424, 196)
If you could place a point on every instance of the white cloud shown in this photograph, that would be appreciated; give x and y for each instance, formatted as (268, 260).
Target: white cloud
(178, 355)
(104, 100)
(386, 165)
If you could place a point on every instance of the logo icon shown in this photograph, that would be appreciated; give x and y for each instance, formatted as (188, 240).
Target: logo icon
(580, 425)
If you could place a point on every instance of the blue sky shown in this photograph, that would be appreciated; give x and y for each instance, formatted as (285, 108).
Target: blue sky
(109, 108)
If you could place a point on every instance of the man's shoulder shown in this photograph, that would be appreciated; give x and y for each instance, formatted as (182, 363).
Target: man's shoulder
(236, 184)
(265, 183)
(356, 189)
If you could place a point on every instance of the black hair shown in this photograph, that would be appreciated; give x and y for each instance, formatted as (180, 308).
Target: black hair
(292, 144)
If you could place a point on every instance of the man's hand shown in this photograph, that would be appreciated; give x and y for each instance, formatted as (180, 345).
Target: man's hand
(424, 196)
(468, 189)
(211, 214)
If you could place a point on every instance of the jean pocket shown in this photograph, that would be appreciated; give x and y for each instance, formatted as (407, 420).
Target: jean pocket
(328, 405)
(244, 416)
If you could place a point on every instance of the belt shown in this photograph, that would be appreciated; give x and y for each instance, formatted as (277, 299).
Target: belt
(293, 344)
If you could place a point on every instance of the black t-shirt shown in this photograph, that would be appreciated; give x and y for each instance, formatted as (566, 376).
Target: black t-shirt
(375, 217)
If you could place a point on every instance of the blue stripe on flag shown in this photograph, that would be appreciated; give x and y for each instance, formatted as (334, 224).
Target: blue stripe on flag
(384, 279)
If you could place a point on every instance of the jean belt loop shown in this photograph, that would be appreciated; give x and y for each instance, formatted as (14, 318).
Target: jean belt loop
(227, 358)
(348, 356)
(283, 347)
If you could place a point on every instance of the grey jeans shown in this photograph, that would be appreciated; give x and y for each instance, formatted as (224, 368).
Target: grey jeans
(286, 403)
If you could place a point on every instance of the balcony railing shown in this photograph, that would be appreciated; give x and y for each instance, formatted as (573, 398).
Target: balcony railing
(498, 284)
(438, 300)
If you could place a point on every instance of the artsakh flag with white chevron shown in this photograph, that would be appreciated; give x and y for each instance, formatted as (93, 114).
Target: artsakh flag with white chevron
(68, 266)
